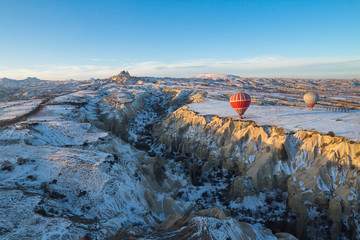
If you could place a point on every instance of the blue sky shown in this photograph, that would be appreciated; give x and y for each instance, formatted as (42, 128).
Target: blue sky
(61, 39)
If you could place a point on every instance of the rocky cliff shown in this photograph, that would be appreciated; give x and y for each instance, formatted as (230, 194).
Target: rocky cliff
(318, 172)
(302, 182)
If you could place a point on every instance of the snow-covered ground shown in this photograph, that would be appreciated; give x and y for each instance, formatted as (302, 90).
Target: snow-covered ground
(13, 109)
(62, 178)
(70, 170)
(346, 124)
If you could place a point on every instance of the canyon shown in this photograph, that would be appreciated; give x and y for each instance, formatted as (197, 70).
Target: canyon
(161, 158)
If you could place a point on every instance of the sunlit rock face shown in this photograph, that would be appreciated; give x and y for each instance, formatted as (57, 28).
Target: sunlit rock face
(319, 172)
(122, 77)
(126, 158)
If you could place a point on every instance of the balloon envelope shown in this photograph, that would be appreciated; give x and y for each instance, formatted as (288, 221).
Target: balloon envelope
(240, 102)
(311, 99)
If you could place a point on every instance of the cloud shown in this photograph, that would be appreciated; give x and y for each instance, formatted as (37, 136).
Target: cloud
(263, 66)
(78, 72)
(267, 66)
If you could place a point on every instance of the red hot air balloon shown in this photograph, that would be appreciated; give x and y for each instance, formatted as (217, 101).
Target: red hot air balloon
(240, 102)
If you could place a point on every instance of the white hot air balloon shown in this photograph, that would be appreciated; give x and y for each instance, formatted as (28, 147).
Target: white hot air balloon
(311, 99)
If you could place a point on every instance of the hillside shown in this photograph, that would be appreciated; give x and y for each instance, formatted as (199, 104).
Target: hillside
(160, 158)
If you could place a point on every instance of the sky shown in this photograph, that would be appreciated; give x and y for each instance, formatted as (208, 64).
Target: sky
(82, 39)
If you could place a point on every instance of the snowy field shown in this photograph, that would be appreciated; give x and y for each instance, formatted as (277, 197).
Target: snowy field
(346, 124)
(13, 109)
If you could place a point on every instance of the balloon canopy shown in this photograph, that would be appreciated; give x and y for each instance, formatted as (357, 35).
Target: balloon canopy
(240, 102)
(311, 99)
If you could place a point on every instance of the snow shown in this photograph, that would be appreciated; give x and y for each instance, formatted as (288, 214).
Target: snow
(252, 202)
(322, 185)
(52, 113)
(251, 159)
(88, 180)
(76, 97)
(66, 133)
(346, 124)
(350, 197)
(13, 109)
(223, 229)
(69, 170)
(301, 183)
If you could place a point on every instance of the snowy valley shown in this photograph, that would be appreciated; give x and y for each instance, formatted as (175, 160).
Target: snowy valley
(168, 158)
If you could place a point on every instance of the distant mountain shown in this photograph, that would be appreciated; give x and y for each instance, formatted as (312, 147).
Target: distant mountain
(214, 76)
(6, 80)
(26, 80)
(31, 79)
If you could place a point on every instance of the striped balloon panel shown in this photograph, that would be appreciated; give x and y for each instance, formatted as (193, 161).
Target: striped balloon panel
(240, 102)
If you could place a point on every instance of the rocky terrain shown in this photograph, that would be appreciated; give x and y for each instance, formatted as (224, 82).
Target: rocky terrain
(160, 158)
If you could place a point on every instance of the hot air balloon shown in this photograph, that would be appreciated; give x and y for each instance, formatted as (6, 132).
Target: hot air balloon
(240, 102)
(311, 99)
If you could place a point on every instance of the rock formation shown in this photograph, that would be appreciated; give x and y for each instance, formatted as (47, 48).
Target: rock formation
(318, 171)
(122, 77)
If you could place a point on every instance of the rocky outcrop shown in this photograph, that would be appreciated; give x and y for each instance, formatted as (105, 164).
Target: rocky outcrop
(209, 224)
(319, 172)
(122, 77)
(132, 117)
